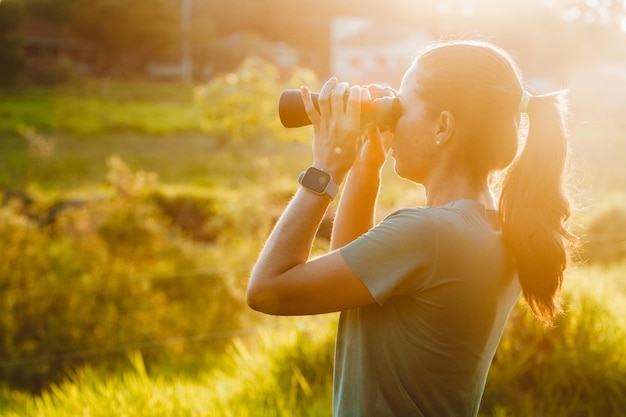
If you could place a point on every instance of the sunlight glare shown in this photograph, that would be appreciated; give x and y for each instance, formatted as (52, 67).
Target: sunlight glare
(572, 14)
(623, 24)
(441, 7)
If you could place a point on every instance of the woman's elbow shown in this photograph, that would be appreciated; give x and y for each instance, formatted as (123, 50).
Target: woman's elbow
(263, 300)
(252, 298)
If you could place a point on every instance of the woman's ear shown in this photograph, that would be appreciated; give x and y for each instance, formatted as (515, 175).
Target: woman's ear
(445, 128)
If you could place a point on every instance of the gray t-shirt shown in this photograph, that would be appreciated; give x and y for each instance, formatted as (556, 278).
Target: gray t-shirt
(444, 287)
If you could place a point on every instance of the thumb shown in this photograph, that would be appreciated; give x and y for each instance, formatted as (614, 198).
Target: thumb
(373, 136)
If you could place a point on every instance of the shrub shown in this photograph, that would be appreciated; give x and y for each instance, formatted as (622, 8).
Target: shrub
(103, 275)
(578, 368)
(606, 230)
(243, 105)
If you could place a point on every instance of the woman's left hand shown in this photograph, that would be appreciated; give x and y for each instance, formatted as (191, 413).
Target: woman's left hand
(374, 147)
(375, 143)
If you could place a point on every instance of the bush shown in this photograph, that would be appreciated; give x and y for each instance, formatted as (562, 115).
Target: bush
(102, 275)
(577, 368)
(243, 105)
(605, 239)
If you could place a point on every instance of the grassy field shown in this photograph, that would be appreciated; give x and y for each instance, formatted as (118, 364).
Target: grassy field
(167, 170)
(577, 369)
(92, 107)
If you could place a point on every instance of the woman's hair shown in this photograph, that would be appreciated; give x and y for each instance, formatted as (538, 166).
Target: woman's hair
(481, 86)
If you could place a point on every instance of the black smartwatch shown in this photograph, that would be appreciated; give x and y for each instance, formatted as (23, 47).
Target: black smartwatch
(319, 182)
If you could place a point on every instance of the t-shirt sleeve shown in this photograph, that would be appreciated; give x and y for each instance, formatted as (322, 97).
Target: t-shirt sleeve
(396, 257)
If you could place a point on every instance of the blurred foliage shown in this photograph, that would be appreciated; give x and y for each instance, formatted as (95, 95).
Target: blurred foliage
(577, 368)
(605, 230)
(295, 364)
(135, 34)
(240, 105)
(233, 50)
(11, 61)
(96, 107)
(243, 105)
(287, 374)
(104, 273)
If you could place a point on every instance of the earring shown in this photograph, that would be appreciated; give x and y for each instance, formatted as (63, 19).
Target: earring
(438, 143)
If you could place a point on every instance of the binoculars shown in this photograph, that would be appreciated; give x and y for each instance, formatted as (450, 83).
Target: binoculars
(383, 111)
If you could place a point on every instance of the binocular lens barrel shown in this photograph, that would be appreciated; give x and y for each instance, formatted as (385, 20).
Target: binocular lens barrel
(383, 111)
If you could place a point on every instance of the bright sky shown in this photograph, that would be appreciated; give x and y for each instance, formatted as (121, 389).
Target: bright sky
(586, 10)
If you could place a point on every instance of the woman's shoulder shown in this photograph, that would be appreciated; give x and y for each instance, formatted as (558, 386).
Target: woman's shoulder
(433, 212)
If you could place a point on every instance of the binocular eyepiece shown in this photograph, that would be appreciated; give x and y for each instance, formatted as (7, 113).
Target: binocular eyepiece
(383, 111)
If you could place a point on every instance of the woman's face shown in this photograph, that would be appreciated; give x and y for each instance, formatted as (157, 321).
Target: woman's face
(414, 144)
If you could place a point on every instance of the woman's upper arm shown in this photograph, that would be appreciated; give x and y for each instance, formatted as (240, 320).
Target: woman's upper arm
(321, 285)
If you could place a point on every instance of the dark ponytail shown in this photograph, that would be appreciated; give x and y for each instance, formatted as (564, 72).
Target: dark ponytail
(534, 207)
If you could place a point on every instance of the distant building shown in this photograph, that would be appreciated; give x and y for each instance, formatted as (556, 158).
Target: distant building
(363, 51)
(47, 46)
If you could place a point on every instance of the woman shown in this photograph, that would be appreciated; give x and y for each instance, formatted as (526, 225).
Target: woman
(425, 294)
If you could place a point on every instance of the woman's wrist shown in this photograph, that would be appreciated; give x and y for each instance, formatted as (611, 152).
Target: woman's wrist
(337, 174)
(363, 169)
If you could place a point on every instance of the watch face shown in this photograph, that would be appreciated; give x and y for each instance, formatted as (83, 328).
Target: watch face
(315, 180)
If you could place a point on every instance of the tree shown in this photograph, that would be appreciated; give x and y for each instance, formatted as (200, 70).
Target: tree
(133, 32)
(54, 11)
(11, 62)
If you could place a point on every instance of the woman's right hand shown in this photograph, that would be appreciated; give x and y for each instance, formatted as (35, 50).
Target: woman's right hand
(336, 126)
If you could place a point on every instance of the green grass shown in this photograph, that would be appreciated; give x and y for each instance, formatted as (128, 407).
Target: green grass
(95, 107)
(287, 373)
(78, 162)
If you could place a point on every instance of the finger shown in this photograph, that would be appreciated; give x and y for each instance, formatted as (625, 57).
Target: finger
(376, 90)
(366, 99)
(366, 95)
(311, 111)
(377, 150)
(338, 97)
(324, 98)
(373, 135)
(353, 108)
(391, 92)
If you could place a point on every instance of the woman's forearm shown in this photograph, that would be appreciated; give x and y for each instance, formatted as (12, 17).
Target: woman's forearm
(356, 210)
(290, 242)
